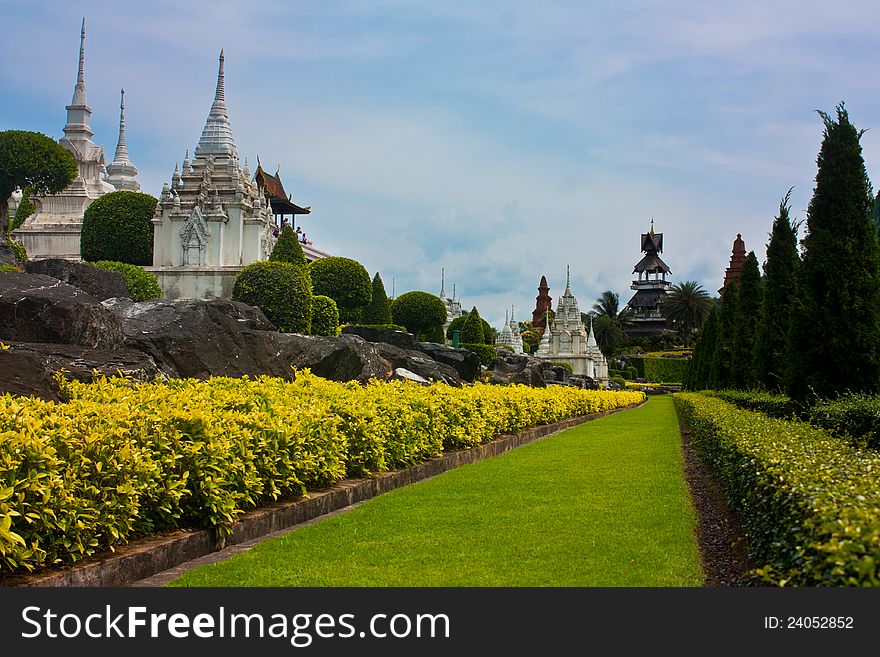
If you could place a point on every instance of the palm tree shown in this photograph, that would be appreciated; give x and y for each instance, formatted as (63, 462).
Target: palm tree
(610, 320)
(685, 307)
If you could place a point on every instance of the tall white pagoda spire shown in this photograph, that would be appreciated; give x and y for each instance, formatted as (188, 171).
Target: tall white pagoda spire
(217, 139)
(78, 112)
(443, 283)
(567, 292)
(121, 173)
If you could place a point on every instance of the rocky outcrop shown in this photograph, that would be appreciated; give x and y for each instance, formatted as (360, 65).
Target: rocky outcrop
(417, 363)
(100, 283)
(25, 375)
(39, 308)
(84, 364)
(371, 334)
(342, 358)
(509, 368)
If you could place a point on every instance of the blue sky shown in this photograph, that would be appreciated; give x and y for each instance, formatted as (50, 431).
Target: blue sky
(500, 140)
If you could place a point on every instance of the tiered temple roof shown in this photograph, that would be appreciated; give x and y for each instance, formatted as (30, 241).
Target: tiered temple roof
(650, 287)
(737, 258)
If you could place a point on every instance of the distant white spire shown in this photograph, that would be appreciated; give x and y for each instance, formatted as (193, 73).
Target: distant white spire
(217, 136)
(78, 112)
(442, 283)
(567, 281)
(122, 174)
(591, 338)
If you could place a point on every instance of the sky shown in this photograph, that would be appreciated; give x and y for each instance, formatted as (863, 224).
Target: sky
(500, 140)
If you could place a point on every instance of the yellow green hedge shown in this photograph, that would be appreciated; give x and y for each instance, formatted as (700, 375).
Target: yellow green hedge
(809, 501)
(120, 459)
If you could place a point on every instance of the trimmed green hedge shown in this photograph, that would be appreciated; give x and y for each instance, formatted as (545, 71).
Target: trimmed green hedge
(418, 311)
(671, 370)
(142, 285)
(778, 406)
(281, 290)
(345, 281)
(808, 500)
(856, 417)
(118, 227)
(325, 316)
(486, 352)
(390, 327)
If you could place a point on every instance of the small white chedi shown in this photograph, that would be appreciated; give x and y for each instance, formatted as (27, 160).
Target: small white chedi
(510, 335)
(567, 340)
(53, 231)
(453, 305)
(212, 220)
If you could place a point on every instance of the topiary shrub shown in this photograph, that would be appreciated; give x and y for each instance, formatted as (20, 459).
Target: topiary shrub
(281, 290)
(24, 210)
(379, 310)
(418, 311)
(455, 325)
(325, 316)
(288, 249)
(345, 281)
(433, 335)
(488, 332)
(118, 227)
(486, 352)
(619, 380)
(473, 331)
(142, 285)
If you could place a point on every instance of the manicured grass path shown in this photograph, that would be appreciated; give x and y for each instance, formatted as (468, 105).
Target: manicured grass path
(601, 504)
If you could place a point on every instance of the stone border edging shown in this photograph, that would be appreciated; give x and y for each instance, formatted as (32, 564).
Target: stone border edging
(149, 556)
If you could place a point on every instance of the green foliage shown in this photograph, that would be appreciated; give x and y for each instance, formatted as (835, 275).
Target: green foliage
(720, 372)
(142, 285)
(455, 325)
(808, 500)
(31, 160)
(10, 268)
(486, 352)
(281, 290)
(564, 365)
(473, 331)
(325, 316)
(749, 312)
(24, 210)
(768, 403)
(669, 370)
(390, 327)
(620, 381)
(835, 316)
(379, 310)
(856, 417)
(685, 308)
(288, 249)
(697, 377)
(780, 281)
(418, 311)
(346, 282)
(118, 227)
(433, 335)
(18, 250)
(488, 332)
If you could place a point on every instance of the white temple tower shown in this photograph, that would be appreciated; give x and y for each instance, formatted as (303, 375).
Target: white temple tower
(122, 173)
(212, 221)
(53, 231)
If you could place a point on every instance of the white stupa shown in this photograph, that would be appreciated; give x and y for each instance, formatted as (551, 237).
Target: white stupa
(122, 173)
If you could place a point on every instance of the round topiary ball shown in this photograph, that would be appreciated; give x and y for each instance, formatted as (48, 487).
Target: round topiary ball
(118, 227)
(345, 281)
(142, 285)
(325, 316)
(281, 290)
(418, 311)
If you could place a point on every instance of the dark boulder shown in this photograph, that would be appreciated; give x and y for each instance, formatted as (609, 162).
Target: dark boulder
(100, 283)
(84, 364)
(24, 374)
(464, 361)
(39, 308)
(372, 334)
(509, 368)
(418, 363)
(341, 358)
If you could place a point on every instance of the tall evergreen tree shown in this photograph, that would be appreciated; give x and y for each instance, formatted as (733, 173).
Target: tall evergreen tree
(379, 310)
(704, 350)
(719, 370)
(749, 309)
(472, 331)
(835, 318)
(288, 249)
(780, 281)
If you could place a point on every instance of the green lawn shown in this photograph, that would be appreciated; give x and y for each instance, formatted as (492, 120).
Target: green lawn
(602, 504)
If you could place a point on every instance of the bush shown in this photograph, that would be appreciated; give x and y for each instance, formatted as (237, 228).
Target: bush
(778, 406)
(281, 290)
(434, 335)
(288, 248)
(808, 500)
(10, 268)
(325, 316)
(418, 311)
(455, 325)
(345, 281)
(486, 352)
(24, 210)
(120, 459)
(473, 331)
(18, 250)
(389, 327)
(142, 285)
(856, 417)
(670, 370)
(118, 227)
(620, 381)
(379, 310)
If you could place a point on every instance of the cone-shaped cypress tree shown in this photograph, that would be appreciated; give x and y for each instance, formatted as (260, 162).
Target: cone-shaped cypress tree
(472, 329)
(780, 282)
(701, 362)
(379, 310)
(288, 248)
(749, 309)
(719, 371)
(835, 318)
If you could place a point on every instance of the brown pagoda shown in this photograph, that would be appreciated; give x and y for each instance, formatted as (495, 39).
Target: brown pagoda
(650, 287)
(543, 304)
(737, 258)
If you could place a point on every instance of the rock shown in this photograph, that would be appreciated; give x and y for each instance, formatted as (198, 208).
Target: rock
(84, 364)
(464, 362)
(419, 363)
(198, 338)
(509, 368)
(560, 373)
(405, 375)
(39, 308)
(584, 382)
(340, 358)
(24, 374)
(100, 283)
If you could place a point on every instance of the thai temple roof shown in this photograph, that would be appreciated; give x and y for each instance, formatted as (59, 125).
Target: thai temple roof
(274, 190)
(217, 136)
